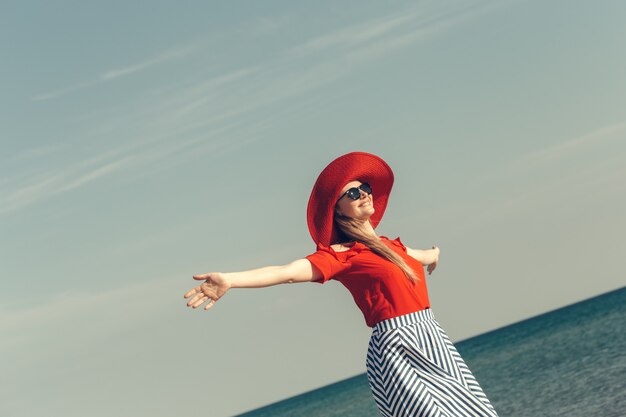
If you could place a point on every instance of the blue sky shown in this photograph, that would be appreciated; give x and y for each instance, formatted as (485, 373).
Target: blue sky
(142, 145)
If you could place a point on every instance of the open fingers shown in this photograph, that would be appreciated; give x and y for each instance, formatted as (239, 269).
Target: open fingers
(199, 297)
(193, 291)
(207, 291)
(194, 299)
(199, 302)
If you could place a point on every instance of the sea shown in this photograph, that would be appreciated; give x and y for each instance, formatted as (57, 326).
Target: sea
(567, 362)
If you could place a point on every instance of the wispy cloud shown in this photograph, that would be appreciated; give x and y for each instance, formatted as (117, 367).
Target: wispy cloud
(166, 56)
(110, 75)
(368, 40)
(577, 144)
(65, 90)
(425, 24)
(72, 176)
(50, 183)
(200, 115)
(37, 189)
(202, 94)
(95, 174)
(566, 154)
(314, 63)
(353, 35)
(143, 154)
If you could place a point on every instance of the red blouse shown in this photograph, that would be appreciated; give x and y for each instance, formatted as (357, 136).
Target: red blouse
(378, 286)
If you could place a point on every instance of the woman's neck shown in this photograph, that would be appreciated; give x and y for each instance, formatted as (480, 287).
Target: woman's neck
(369, 229)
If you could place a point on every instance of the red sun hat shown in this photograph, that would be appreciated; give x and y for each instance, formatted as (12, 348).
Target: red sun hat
(354, 166)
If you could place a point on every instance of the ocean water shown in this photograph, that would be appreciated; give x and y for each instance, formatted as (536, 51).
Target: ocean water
(567, 362)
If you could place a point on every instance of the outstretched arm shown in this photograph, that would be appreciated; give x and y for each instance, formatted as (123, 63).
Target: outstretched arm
(216, 284)
(428, 257)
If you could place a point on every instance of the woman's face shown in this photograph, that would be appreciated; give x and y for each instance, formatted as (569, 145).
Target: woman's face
(360, 209)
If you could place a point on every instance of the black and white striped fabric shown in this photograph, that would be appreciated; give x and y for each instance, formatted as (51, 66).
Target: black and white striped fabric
(414, 370)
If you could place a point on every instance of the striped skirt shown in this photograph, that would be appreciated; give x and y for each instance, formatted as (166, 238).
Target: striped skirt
(414, 370)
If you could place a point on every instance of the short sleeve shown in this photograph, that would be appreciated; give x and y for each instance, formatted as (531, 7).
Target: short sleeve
(326, 261)
(397, 242)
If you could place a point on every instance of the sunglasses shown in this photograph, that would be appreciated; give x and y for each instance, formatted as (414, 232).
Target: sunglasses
(355, 192)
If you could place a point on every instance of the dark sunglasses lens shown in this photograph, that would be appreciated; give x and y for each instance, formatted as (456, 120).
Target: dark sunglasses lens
(354, 193)
(366, 188)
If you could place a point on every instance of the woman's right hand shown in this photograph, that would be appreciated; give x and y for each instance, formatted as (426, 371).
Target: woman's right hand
(212, 289)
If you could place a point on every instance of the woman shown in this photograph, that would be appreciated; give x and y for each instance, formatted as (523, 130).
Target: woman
(412, 367)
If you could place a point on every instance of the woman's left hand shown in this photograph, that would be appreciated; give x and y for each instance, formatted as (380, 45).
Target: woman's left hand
(433, 264)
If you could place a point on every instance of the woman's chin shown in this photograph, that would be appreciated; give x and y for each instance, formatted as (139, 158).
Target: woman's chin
(366, 214)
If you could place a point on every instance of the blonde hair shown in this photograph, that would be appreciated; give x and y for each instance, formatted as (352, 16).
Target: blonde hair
(352, 230)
